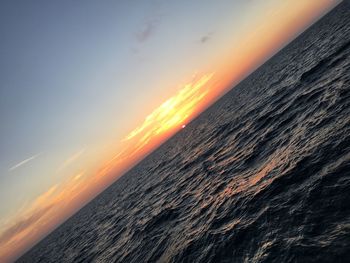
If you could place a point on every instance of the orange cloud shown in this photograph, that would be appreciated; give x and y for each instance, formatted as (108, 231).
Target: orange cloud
(22, 225)
(172, 112)
(46, 211)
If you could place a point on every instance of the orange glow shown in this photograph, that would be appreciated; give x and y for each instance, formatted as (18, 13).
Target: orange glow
(172, 112)
(280, 25)
(46, 212)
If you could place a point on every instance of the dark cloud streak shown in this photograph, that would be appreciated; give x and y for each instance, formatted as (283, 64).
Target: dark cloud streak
(206, 37)
(22, 224)
(147, 31)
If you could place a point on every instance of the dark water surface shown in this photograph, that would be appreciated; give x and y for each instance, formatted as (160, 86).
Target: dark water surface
(262, 176)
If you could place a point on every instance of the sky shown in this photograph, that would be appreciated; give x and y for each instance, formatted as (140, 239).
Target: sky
(88, 88)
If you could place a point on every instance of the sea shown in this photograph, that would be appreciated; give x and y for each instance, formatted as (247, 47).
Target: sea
(263, 175)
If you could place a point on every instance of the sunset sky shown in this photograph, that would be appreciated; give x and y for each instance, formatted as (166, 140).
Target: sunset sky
(88, 88)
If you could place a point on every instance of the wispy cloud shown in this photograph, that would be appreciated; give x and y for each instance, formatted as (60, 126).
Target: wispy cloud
(24, 162)
(206, 37)
(71, 159)
(23, 224)
(39, 216)
(148, 29)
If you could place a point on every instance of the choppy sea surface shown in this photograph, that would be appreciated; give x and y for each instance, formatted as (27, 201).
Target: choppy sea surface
(262, 176)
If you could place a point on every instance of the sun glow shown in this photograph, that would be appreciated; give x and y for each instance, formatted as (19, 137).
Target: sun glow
(170, 115)
(173, 111)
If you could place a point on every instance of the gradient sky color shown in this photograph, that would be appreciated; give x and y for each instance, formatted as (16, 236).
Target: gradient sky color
(88, 88)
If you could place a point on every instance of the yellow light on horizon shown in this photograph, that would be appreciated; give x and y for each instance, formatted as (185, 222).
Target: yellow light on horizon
(172, 112)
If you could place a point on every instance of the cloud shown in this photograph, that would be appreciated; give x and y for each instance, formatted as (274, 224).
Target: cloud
(47, 210)
(78, 176)
(23, 224)
(172, 113)
(206, 37)
(71, 159)
(24, 162)
(148, 30)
